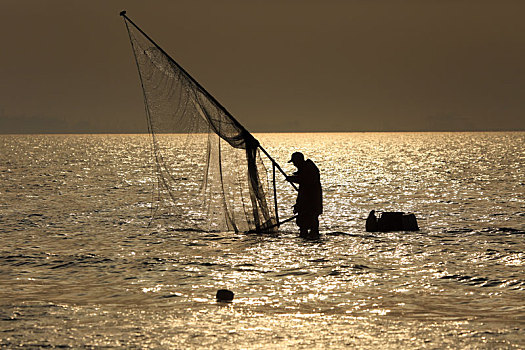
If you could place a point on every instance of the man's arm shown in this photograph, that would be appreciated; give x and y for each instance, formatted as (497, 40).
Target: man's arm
(293, 178)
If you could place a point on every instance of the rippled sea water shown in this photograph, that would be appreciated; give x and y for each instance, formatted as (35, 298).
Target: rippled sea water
(81, 268)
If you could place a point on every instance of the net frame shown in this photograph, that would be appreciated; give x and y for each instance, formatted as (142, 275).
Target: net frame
(221, 126)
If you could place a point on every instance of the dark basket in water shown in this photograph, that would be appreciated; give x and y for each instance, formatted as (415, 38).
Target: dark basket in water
(391, 221)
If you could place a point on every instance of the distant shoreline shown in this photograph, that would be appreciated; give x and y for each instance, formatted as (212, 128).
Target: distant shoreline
(270, 132)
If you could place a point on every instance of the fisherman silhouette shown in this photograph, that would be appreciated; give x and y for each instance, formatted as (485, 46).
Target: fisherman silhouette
(309, 203)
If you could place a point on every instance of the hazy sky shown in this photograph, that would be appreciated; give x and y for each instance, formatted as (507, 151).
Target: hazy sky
(282, 65)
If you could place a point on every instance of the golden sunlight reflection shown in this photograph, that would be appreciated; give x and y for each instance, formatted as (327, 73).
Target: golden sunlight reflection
(86, 266)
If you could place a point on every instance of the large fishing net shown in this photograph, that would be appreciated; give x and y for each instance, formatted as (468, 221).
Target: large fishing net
(210, 174)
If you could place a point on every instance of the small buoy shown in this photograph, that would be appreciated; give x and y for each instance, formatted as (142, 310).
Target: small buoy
(224, 295)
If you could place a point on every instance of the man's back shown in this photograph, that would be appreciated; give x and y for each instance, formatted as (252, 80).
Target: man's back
(310, 197)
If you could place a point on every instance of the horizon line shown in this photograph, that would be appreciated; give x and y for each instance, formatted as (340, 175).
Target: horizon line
(259, 132)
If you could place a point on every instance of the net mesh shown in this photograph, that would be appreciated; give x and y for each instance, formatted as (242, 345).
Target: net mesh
(210, 174)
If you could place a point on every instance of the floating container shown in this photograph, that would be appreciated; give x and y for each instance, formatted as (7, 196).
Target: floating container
(391, 221)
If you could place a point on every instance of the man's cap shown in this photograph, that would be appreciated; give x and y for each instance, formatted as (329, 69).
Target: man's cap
(296, 156)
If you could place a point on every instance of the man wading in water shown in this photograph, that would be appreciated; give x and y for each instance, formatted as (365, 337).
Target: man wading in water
(309, 203)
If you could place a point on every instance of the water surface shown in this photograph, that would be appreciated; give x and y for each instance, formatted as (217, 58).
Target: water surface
(81, 265)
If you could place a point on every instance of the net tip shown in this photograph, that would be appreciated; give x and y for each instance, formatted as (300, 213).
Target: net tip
(123, 13)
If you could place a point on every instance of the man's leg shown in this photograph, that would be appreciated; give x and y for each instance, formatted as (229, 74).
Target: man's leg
(303, 232)
(308, 225)
(303, 225)
(315, 225)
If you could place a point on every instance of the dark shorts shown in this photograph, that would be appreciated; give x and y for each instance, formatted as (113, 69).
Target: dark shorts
(307, 220)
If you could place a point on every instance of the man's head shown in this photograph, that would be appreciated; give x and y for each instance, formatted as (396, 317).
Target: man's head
(297, 159)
